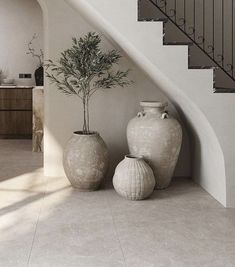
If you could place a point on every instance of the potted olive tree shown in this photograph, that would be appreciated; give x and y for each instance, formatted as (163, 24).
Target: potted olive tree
(81, 71)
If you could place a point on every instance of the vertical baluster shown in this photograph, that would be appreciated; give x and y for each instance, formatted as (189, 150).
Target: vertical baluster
(223, 33)
(184, 15)
(214, 28)
(194, 19)
(204, 23)
(232, 39)
(175, 12)
(165, 3)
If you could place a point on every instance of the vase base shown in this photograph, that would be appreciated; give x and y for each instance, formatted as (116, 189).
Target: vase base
(87, 189)
(161, 187)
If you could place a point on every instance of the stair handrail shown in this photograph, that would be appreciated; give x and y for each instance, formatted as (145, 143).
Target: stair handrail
(200, 39)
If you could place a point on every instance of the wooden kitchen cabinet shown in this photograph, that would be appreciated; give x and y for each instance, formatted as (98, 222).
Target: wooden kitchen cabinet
(16, 112)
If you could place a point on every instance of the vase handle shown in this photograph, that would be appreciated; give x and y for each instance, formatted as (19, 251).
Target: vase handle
(140, 114)
(165, 115)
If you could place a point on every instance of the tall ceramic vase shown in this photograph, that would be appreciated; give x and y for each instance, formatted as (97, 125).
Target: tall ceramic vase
(85, 161)
(157, 137)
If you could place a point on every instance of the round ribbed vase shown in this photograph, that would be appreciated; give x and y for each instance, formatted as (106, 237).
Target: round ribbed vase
(85, 161)
(157, 137)
(133, 178)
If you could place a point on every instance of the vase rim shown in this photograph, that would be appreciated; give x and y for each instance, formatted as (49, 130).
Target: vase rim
(153, 104)
(81, 133)
(133, 157)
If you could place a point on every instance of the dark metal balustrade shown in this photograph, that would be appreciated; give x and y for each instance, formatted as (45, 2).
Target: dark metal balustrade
(208, 24)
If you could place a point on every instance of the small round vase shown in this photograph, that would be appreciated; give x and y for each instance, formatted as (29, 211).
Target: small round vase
(157, 137)
(85, 161)
(133, 178)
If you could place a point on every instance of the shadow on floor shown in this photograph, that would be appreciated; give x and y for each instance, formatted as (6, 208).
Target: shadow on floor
(17, 158)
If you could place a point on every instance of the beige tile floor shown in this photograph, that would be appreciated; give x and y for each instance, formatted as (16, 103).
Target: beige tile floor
(44, 222)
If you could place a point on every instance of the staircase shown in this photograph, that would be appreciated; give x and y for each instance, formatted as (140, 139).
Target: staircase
(208, 117)
(207, 27)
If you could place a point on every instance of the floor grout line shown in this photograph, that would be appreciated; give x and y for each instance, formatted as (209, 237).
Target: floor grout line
(116, 233)
(36, 226)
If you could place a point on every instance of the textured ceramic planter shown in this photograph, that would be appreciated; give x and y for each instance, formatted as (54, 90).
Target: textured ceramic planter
(133, 178)
(157, 137)
(85, 161)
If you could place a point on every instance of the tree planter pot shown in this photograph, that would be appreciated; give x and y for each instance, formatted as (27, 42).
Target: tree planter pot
(85, 161)
(157, 137)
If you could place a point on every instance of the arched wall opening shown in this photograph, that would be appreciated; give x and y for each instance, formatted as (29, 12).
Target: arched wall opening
(21, 27)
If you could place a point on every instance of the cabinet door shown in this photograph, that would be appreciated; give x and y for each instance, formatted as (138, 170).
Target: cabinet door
(15, 99)
(15, 113)
(16, 124)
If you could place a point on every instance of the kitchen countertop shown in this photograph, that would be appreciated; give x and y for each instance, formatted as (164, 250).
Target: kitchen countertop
(16, 87)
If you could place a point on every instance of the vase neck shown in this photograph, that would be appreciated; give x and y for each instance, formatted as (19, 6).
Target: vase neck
(130, 157)
(154, 110)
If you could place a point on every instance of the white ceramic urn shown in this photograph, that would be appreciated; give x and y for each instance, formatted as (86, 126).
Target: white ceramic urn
(133, 178)
(85, 161)
(156, 136)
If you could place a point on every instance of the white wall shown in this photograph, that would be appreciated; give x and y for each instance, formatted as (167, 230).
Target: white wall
(110, 110)
(19, 20)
